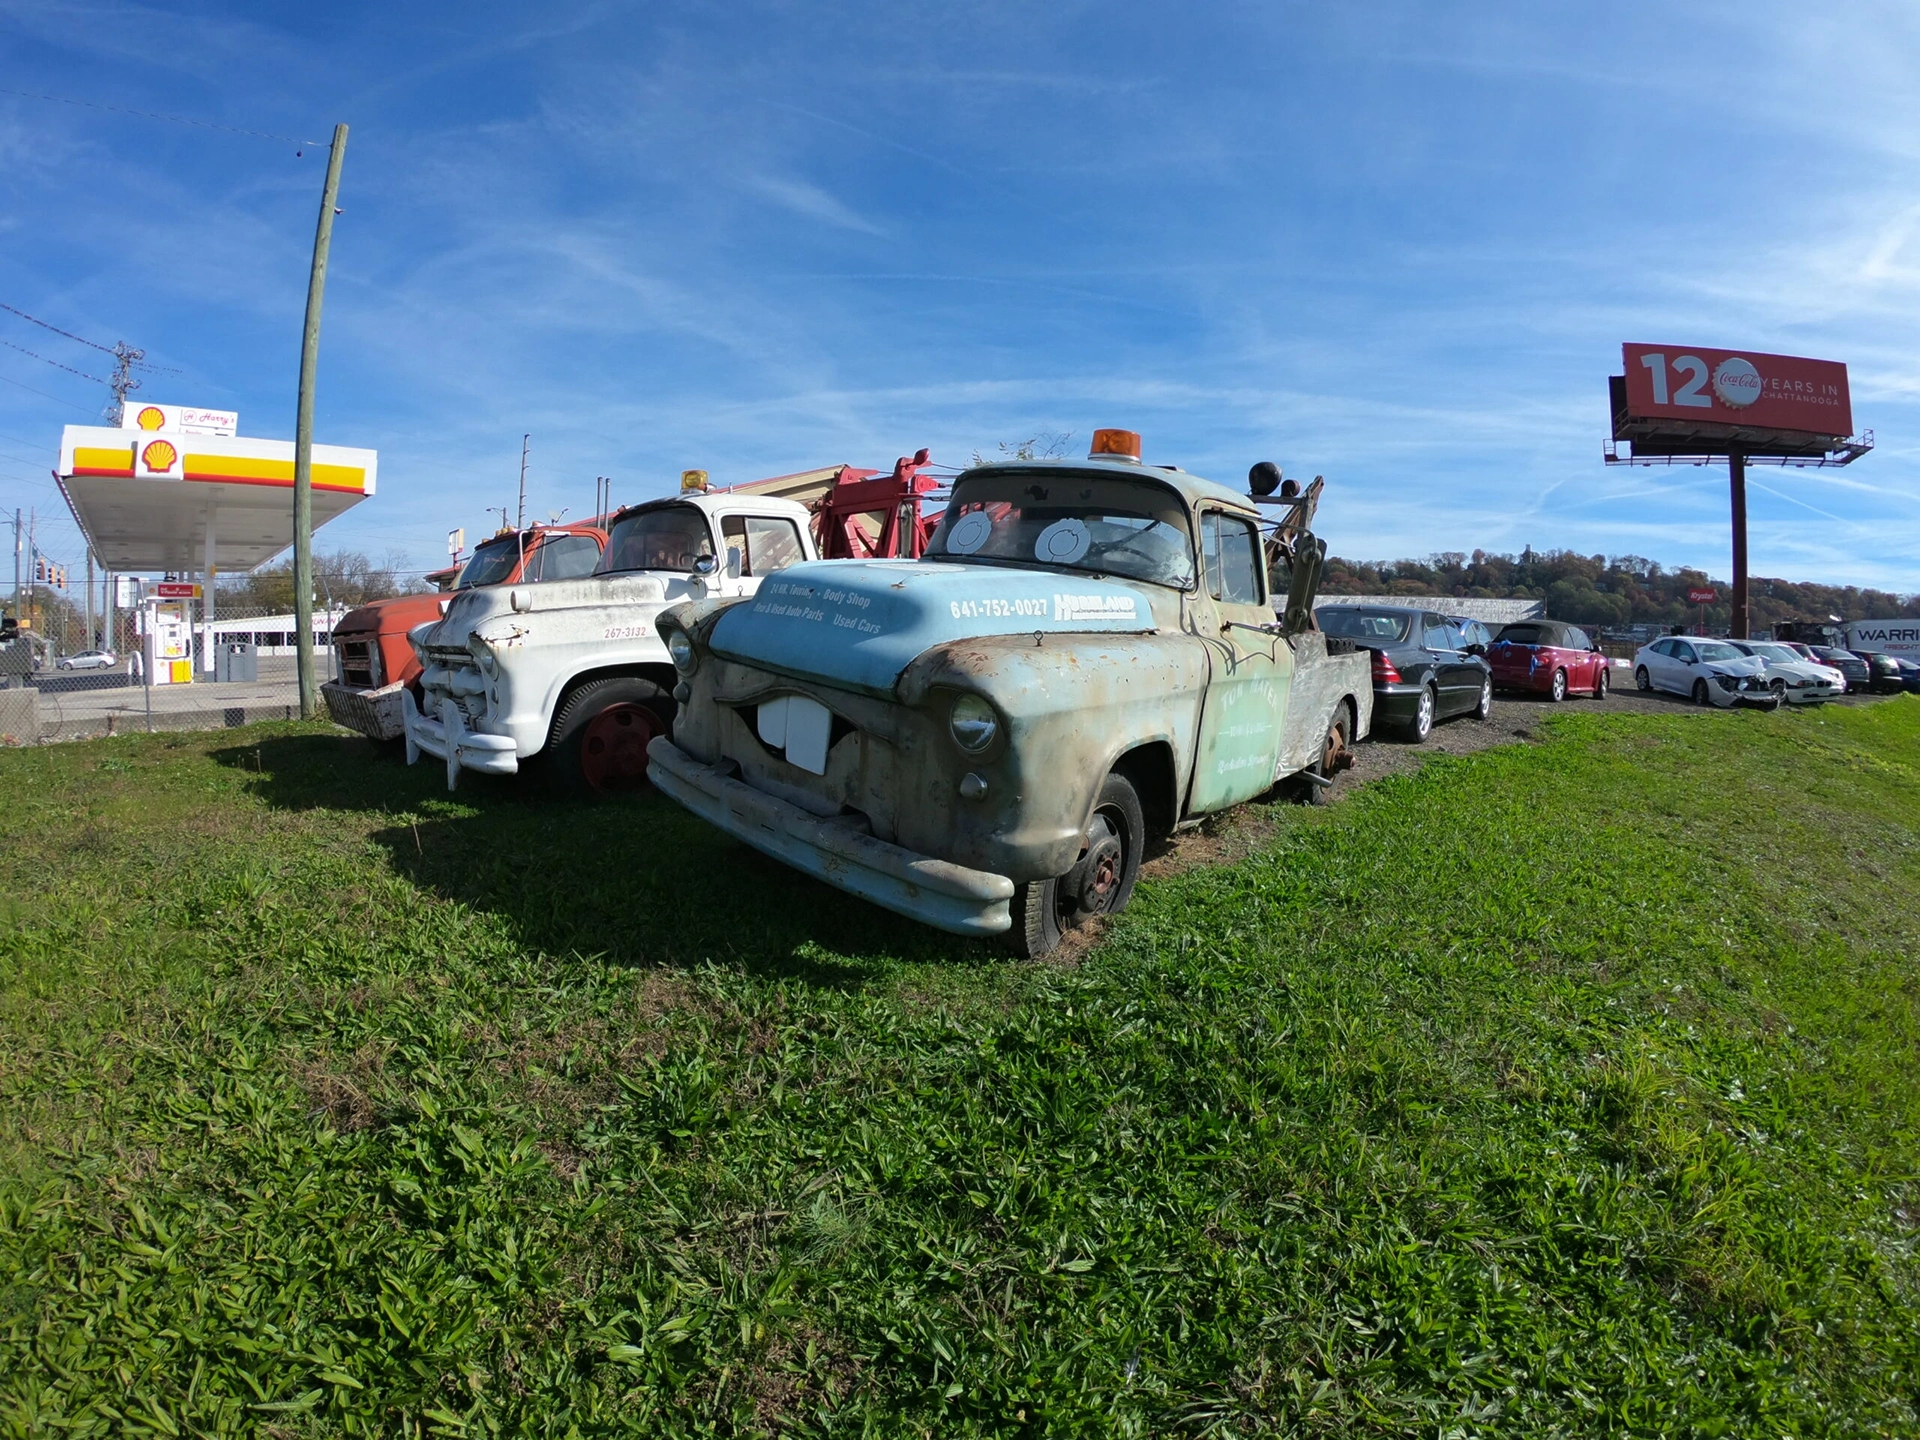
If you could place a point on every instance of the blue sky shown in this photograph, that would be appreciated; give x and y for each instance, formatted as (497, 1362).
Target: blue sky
(1398, 244)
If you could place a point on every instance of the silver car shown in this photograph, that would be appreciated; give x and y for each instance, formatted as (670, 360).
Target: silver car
(88, 660)
(1793, 679)
(1712, 672)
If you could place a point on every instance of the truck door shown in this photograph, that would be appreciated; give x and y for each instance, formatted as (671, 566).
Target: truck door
(754, 547)
(1239, 743)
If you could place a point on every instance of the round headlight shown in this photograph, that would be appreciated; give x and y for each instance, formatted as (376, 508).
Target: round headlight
(680, 650)
(482, 653)
(973, 724)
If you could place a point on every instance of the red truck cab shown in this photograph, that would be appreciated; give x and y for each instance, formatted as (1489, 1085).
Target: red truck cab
(373, 663)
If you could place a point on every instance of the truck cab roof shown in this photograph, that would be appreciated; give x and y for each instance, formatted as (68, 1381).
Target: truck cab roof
(1193, 489)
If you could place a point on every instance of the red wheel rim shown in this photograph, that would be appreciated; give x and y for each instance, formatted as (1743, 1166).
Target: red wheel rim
(613, 748)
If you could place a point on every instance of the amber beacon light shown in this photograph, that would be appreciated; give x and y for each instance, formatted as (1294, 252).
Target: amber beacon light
(1121, 444)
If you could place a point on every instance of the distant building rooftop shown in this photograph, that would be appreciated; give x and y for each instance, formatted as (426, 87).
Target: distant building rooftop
(1488, 612)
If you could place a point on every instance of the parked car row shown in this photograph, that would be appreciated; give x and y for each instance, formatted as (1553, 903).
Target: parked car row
(1428, 667)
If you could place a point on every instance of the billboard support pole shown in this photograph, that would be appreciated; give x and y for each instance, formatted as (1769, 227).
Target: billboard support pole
(1737, 482)
(303, 435)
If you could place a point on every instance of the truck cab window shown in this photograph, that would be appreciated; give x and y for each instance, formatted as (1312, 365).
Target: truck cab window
(567, 557)
(765, 544)
(671, 537)
(1232, 551)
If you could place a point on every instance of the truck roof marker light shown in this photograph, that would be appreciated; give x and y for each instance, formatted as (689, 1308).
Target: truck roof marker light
(1115, 445)
(693, 482)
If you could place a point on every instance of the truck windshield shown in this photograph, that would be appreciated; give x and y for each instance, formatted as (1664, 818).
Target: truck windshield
(669, 538)
(1068, 522)
(491, 563)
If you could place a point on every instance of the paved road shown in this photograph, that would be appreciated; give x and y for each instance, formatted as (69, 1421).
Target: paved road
(96, 702)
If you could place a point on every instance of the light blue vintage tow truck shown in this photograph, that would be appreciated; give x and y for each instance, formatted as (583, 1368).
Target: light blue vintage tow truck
(1091, 655)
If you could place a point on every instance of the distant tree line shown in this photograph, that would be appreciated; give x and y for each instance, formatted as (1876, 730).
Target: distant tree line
(1593, 590)
(343, 577)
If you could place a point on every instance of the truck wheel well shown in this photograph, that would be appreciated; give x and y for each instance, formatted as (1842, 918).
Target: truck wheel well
(662, 675)
(1150, 770)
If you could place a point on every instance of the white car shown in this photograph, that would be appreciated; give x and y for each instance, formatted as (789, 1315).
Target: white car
(1795, 680)
(573, 671)
(1712, 672)
(88, 660)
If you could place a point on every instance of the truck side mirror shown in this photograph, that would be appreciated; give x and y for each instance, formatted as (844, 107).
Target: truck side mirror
(704, 565)
(733, 562)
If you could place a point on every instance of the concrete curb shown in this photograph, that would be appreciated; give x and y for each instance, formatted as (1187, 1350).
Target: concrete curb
(95, 727)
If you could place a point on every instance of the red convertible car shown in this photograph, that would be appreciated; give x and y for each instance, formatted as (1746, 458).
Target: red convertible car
(1551, 657)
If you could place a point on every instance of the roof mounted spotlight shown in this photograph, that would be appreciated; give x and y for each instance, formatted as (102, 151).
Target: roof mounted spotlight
(693, 482)
(1115, 445)
(1263, 478)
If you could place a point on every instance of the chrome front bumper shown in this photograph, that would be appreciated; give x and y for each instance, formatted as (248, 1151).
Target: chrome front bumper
(935, 892)
(377, 714)
(446, 737)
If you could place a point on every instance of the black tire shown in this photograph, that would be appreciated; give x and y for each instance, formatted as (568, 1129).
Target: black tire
(1559, 690)
(629, 704)
(1701, 695)
(1339, 739)
(1339, 645)
(1603, 681)
(1642, 680)
(1484, 710)
(1420, 726)
(1044, 910)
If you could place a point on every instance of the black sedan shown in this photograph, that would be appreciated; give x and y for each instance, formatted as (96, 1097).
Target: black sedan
(1424, 666)
(1858, 676)
(1883, 673)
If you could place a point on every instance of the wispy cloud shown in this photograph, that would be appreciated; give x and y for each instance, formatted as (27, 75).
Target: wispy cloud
(810, 202)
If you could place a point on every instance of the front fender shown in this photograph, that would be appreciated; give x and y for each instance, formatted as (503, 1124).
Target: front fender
(1071, 706)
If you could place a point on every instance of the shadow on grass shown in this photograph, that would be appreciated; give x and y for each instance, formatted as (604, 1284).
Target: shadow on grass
(634, 880)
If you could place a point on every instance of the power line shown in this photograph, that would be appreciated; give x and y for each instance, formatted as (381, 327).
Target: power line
(84, 409)
(107, 349)
(55, 363)
(170, 119)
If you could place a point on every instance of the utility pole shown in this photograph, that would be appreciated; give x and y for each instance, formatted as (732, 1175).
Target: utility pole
(1737, 480)
(125, 357)
(520, 519)
(16, 564)
(303, 435)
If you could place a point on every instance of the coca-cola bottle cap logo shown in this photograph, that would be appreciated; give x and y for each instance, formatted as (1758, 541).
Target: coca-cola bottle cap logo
(1736, 382)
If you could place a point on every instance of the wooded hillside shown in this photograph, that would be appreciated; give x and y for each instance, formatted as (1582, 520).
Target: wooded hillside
(1593, 590)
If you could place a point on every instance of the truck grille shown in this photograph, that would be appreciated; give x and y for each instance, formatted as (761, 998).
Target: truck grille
(359, 663)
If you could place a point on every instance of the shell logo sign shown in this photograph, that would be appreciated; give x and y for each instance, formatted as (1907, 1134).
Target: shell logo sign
(159, 457)
(151, 417)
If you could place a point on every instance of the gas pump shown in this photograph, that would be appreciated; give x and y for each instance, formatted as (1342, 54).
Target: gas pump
(166, 643)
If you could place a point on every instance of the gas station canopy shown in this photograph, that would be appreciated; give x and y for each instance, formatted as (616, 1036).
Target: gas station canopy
(191, 494)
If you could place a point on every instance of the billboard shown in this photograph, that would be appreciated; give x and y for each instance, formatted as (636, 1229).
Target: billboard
(1737, 387)
(183, 419)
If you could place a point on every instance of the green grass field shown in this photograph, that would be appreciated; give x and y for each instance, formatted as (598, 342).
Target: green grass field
(1570, 1088)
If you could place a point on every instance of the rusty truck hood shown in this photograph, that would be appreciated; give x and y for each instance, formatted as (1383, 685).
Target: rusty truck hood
(860, 623)
(393, 616)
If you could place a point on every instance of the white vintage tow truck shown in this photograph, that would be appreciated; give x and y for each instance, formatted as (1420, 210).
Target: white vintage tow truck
(572, 676)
